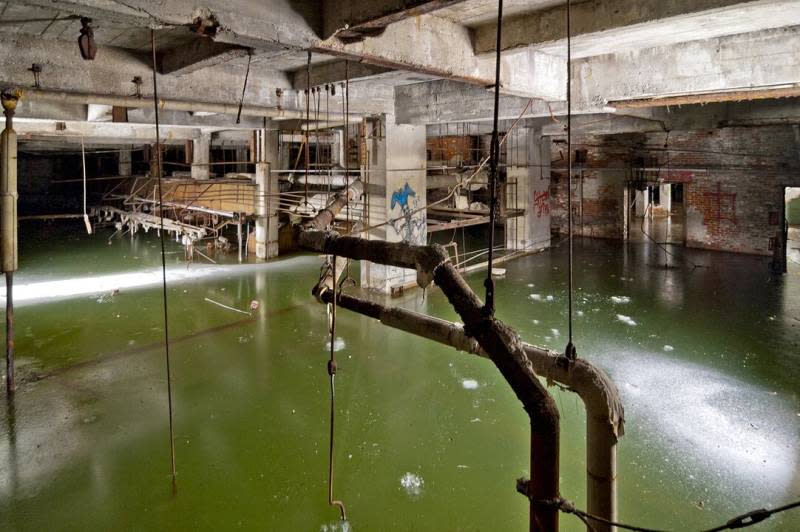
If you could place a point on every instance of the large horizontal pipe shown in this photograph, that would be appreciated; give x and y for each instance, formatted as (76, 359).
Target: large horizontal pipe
(604, 411)
(134, 102)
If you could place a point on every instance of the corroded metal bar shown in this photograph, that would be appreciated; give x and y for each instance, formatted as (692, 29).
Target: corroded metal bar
(8, 223)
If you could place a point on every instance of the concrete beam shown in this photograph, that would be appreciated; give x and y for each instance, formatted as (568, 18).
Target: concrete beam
(335, 72)
(287, 24)
(201, 53)
(612, 26)
(100, 132)
(355, 20)
(113, 69)
(762, 60)
(445, 101)
(440, 48)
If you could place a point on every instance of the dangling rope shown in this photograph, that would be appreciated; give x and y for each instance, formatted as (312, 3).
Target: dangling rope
(163, 259)
(488, 308)
(244, 87)
(83, 165)
(332, 375)
(570, 352)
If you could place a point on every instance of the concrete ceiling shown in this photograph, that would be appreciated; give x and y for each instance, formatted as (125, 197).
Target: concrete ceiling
(621, 49)
(472, 13)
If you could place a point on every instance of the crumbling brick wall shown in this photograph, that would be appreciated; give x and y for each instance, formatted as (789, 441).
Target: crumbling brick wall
(734, 199)
(599, 177)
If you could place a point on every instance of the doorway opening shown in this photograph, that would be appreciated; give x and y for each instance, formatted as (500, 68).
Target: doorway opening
(791, 228)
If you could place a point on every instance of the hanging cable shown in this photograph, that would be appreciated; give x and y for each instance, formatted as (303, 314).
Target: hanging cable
(330, 157)
(83, 165)
(346, 98)
(244, 87)
(332, 375)
(740, 521)
(308, 120)
(159, 171)
(488, 308)
(571, 353)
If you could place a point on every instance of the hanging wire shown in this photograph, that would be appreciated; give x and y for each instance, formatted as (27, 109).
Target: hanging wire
(244, 87)
(159, 171)
(488, 308)
(83, 167)
(332, 375)
(308, 119)
(570, 352)
(346, 100)
(330, 158)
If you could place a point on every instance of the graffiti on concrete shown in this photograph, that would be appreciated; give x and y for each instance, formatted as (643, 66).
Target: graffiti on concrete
(410, 224)
(541, 201)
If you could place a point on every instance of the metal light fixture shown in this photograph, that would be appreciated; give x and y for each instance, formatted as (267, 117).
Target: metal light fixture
(86, 42)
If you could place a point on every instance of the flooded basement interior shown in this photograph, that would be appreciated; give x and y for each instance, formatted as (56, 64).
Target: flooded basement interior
(706, 359)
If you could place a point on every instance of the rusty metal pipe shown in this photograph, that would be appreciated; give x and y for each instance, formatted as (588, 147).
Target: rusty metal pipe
(604, 411)
(8, 223)
(502, 345)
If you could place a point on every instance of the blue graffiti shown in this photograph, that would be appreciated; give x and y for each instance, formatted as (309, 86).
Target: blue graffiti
(410, 227)
(400, 196)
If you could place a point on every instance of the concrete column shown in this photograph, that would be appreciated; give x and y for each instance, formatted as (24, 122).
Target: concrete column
(397, 172)
(201, 156)
(125, 162)
(642, 201)
(267, 191)
(241, 158)
(530, 153)
(665, 197)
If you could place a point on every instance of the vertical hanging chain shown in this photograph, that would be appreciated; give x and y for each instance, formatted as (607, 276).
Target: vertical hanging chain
(308, 113)
(332, 375)
(488, 308)
(570, 352)
(159, 171)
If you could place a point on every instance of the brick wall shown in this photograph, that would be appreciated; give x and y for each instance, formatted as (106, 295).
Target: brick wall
(735, 179)
(452, 149)
(598, 183)
(739, 182)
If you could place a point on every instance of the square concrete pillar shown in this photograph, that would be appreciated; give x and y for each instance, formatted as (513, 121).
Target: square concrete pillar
(201, 156)
(528, 176)
(397, 176)
(125, 161)
(267, 192)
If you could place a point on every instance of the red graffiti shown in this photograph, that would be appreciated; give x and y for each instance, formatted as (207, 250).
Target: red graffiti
(724, 203)
(541, 201)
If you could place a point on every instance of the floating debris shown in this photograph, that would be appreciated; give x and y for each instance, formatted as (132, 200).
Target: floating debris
(535, 297)
(412, 484)
(338, 344)
(668, 348)
(338, 526)
(620, 299)
(217, 303)
(469, 384)
(626, 319)
(556, 333)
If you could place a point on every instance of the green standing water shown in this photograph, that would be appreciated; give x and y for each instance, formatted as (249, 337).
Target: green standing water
(706, 360)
